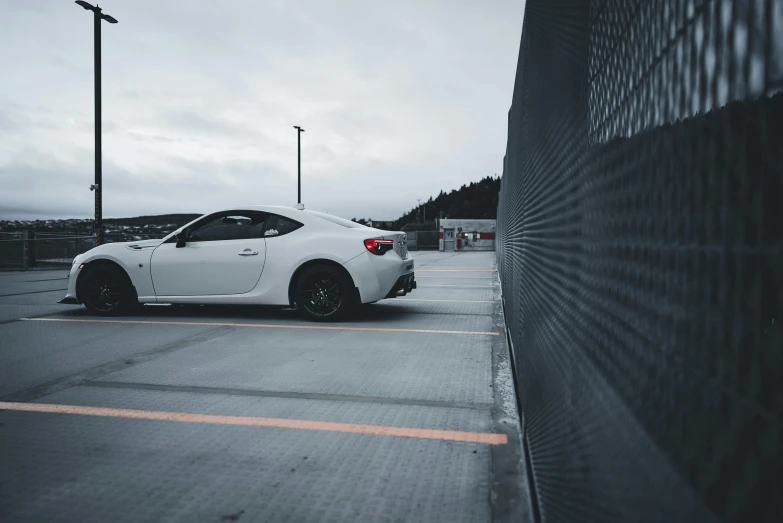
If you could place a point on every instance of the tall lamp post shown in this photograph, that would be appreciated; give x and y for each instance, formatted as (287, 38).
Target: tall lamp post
(424, 210)
(98, 187)
(299, 132)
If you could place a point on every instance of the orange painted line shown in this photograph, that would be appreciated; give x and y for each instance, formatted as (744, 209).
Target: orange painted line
(451, 270)
(264, 326)
(286, 423)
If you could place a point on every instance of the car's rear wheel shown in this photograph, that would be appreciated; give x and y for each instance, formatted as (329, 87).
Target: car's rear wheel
(323, 293)
(106, 290)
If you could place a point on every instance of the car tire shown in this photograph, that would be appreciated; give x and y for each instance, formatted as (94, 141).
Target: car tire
(105, 290)
(323, 293)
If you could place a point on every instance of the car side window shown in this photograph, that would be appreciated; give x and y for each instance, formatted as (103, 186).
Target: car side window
(229, 226)
(279, 225)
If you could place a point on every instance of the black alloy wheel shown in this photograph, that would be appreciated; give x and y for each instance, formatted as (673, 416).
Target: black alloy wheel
(322, 293)
(106, 291)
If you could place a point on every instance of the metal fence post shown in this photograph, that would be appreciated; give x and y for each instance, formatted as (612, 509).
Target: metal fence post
(24, 248)
(28, 250)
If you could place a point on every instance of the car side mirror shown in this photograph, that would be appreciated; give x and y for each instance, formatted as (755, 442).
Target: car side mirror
(180, 239)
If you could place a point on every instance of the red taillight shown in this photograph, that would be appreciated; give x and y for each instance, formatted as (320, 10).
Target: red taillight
(379, 247)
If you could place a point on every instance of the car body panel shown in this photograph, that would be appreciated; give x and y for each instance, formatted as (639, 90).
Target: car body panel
(211, 277)
(376, 275)
(207, 268)
(133, 257)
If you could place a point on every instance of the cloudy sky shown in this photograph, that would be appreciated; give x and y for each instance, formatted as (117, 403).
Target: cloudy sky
(399, 100)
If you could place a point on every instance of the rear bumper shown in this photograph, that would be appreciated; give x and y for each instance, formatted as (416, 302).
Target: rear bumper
(404, 284)
(69, 300)
(378, 276)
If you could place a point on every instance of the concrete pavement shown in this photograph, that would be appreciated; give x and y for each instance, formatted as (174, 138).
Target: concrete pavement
(405, 413)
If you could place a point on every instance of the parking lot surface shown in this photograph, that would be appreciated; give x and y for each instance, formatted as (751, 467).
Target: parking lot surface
(404, 413)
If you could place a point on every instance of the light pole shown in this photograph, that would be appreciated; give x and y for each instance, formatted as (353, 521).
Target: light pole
(98, 186)
(299, 132)
(424, 210)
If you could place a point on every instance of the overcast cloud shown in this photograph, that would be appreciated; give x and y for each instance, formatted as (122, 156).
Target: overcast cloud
(399, 100)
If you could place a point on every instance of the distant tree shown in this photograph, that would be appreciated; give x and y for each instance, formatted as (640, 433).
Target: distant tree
(474, 200)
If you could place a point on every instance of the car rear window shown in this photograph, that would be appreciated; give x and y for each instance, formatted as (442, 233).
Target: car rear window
(279, 225)
(334, 219)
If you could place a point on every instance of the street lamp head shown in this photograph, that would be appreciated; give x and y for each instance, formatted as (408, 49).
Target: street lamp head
(300, 129)
(96, 10)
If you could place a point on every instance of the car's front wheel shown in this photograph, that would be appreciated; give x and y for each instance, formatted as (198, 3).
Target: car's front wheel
(106, 290)
(323, 293)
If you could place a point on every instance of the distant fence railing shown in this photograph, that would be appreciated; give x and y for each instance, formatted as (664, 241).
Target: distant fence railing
(42, 251)
(422, 240)
(25, 249)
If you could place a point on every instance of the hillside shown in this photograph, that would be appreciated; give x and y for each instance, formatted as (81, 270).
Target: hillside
(477, 200)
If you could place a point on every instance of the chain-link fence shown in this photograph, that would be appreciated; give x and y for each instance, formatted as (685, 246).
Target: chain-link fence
(640, 234)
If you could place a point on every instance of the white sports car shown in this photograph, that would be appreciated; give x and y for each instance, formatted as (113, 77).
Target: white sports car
(267, 255)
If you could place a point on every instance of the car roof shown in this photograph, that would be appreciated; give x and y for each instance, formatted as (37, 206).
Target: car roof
(276, 209)
(282, 210)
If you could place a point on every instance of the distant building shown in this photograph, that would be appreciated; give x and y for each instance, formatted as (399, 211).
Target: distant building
(466, 235)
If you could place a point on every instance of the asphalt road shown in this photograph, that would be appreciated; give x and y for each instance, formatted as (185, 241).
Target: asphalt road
(405, 413)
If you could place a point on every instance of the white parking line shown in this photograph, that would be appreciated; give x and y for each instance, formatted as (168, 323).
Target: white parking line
(446, 301)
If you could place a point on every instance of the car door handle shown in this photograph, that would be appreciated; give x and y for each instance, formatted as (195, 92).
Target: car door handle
(248, 252)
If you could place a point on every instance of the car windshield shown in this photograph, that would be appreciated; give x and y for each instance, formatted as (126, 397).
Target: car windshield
(336, 220)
